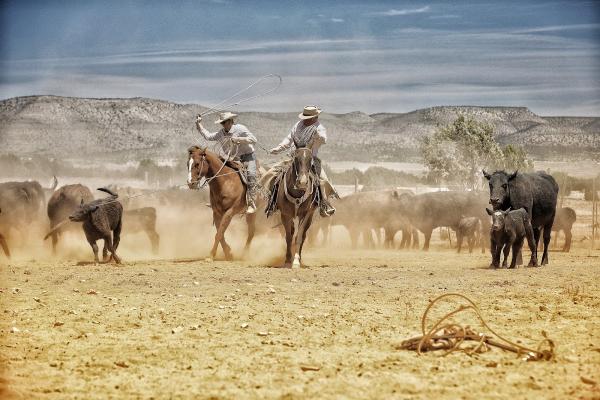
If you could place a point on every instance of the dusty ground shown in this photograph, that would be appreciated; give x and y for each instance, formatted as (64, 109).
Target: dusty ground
(191, 329)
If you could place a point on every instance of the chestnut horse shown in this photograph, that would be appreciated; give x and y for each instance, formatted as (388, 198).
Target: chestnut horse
(297, 195)
(227, 194)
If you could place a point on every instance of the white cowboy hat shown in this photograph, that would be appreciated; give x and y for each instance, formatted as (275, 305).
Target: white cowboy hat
(309, 112)
(225, 116)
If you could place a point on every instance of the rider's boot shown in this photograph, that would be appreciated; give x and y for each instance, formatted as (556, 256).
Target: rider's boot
(325, 209)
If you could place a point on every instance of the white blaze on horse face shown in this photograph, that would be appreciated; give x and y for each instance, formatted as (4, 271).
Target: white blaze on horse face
(190, 164)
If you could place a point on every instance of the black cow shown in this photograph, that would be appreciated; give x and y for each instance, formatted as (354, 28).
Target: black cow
(102, 219)
(535, 192)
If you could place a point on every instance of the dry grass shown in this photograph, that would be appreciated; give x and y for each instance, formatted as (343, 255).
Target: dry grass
(170, 329)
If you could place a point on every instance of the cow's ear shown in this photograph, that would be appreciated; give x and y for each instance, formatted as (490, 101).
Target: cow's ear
(487, 176)
(490, 212)
(513, 175)
(93, 208)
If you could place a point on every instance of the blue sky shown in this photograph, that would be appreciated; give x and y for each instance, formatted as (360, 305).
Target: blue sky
(378, 56)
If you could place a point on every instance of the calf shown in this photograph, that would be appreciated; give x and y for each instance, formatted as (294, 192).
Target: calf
(470, 228)
(563, 221)
(3, 243)
(509, 229)
(143, 220)
(100, 218)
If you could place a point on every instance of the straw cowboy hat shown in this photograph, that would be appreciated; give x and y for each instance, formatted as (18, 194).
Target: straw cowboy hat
(309, 112)
(225, 116)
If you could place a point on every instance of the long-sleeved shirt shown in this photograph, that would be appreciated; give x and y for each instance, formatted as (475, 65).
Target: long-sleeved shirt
(238, 131)
(319, 138)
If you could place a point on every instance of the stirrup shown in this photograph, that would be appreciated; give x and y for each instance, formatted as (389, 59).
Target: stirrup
(326, 210)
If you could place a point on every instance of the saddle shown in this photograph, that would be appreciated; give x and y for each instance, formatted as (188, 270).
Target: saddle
(239, 166)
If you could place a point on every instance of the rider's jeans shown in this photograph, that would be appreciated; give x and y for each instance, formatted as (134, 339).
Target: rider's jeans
(250, 160)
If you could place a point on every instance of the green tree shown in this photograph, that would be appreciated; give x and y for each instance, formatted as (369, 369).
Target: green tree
(457, 153)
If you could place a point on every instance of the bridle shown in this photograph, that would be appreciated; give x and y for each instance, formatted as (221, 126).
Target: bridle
(207, 180)
(298, 201)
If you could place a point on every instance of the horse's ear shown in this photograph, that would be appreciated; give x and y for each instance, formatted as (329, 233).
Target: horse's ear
(513, 175)
(192, 149)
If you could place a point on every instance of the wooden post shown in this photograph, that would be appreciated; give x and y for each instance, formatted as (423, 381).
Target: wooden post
(562, 191)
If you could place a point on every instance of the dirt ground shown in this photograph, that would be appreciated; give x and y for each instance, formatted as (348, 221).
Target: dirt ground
(193, 329)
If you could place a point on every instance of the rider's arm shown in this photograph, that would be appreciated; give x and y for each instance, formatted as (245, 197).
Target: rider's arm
(205, 133)
(284, 145)
(321, 136)
(243, 135)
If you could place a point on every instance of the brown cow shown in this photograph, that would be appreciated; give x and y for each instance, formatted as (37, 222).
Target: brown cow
(62, 203)
(143, 220)
(563, 221)
(3, 243)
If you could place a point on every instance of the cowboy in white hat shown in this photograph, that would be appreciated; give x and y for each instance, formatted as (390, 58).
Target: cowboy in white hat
(238, 142)
(309, 132)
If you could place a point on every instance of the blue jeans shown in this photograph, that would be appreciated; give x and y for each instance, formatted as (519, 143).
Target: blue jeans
(250, 161)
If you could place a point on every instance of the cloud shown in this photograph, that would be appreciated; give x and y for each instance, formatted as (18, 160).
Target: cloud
(405, 11)
(337, 20)
(558, 28)
(444, 16)
(416, 68)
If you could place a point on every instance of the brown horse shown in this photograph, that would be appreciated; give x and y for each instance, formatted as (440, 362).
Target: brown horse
(296, 199)
(227, 194)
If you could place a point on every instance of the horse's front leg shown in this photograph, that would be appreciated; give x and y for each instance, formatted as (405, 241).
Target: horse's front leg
(220, 236)
(251, 222)
(288, 225)
(303, 226)
(217, 222)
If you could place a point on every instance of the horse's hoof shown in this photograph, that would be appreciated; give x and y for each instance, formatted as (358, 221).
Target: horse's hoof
(287, 265)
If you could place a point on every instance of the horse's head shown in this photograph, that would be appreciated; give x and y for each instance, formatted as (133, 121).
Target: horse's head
(197, 166)
(302, 164)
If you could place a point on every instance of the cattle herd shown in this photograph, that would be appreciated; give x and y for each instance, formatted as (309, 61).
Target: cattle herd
(518, 207)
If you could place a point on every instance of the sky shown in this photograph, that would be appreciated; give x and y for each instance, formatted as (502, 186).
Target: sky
(375, 56)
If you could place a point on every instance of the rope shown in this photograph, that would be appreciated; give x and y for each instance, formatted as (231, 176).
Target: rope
(217, 107)
(450, 336)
